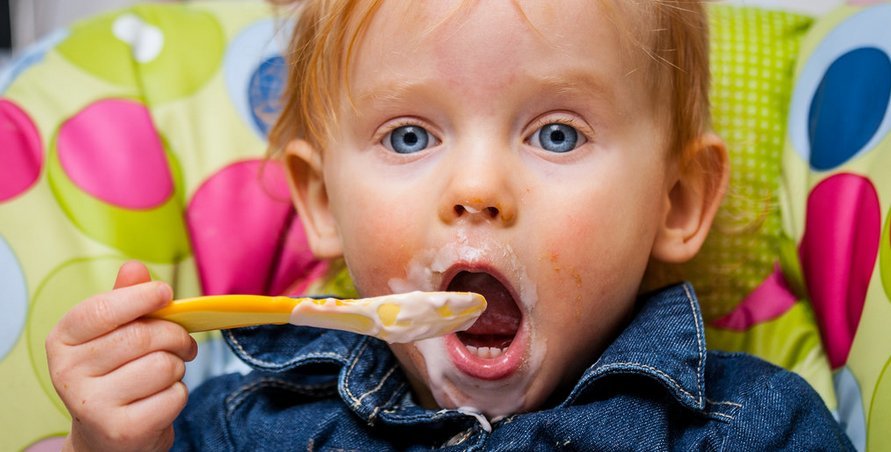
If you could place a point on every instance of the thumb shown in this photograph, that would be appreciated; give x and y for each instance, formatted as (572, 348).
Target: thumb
(132, 273)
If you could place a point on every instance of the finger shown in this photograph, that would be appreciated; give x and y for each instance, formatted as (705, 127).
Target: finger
(133, 340)
(157, 411)
(144, 377)
(100, 314)
(131, 273)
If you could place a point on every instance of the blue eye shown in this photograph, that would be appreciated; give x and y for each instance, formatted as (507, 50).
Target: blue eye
(556, 137)
(408, 139)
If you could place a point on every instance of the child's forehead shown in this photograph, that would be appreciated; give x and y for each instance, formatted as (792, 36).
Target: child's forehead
(547, 19)
(560, 44)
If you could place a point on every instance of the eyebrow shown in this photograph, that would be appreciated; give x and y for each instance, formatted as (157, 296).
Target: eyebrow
(577, 81)
(581, 81)
(391, 92)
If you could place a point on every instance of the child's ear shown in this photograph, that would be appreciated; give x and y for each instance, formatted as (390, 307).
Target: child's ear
(303, 164)
(693, 200)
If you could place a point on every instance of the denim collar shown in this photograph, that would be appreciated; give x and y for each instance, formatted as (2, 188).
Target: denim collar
(664, 341)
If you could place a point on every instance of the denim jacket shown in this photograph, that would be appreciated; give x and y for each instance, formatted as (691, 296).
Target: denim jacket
(654, 388)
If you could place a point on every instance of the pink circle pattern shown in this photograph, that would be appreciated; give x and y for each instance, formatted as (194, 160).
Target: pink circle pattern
(21, 151)
(246, 237)
(838, 254)
(112, 151)
(51, 444)
(768, 301)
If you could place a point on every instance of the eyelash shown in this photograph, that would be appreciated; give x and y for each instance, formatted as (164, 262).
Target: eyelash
(389, 127)
(580, 126)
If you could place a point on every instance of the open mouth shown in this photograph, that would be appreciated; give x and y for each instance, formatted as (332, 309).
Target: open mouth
(484, 350)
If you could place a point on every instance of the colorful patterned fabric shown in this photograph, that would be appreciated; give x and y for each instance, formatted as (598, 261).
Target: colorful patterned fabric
(137, 135)
(836, 200)
(140, 135)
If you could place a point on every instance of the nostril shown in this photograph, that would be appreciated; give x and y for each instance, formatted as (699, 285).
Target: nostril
(489, 212)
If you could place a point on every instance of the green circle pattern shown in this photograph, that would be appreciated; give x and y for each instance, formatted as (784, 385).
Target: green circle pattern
(885, 257)
(179, 70)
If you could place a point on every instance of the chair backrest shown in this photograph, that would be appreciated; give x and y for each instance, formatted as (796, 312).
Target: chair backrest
(836, 192)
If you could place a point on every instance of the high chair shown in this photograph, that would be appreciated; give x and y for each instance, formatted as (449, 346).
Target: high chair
(140, 134)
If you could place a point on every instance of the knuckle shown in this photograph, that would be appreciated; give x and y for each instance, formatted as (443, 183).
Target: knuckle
(181, 394)
(119, 432)
(102, 312)
(127, 432)
(52, 338)
(166, 442)
(176, 367)
(50, 345)
(166, 364)
(135, 336)
(185, 342)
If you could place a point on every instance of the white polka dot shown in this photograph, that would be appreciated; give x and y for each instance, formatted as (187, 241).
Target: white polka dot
(146, 41)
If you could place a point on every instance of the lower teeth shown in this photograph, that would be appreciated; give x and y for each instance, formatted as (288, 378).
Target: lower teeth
(485, 352)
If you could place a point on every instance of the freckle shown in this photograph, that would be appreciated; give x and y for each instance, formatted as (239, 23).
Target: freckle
(553, 257)
(578, 278)
(83, 402)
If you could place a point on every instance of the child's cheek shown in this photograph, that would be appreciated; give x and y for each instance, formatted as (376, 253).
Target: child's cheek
(377, 249)
(564, 282)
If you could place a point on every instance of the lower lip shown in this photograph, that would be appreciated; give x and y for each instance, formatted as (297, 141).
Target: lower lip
(497, 368)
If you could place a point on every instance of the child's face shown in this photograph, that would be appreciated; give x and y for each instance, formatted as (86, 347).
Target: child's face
(519, 157)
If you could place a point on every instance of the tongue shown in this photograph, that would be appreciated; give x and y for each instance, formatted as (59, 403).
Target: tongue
(501, 317)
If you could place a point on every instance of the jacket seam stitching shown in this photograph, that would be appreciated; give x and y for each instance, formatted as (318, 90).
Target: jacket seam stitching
(246, 356)
(699, 345)
(668, 377)
(234, 400)
(354, 402)
(378, 387)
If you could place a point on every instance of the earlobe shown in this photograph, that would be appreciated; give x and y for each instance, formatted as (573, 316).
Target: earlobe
(303, 165)
(693, 200)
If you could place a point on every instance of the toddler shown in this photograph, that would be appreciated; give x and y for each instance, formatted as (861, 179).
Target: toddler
(544, 154)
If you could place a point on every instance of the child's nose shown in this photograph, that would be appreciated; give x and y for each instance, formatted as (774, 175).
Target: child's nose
(479, 201)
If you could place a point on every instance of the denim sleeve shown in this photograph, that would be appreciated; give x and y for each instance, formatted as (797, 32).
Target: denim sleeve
(785, 413)
(202, 424)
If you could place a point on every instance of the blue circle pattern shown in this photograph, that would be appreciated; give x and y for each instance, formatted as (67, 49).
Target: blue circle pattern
(264, 90)
(32, 55)
(13, 299)
(848, 106)
(840, 104)
(254, 71)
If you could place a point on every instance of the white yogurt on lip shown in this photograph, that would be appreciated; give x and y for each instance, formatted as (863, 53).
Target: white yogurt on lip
(451, 387)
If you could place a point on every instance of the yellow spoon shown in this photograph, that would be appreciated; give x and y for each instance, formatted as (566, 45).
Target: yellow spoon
(406, 317)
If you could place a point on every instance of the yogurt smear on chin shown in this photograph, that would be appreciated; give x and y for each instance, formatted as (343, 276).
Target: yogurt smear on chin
(451, 387)
(454, 389)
